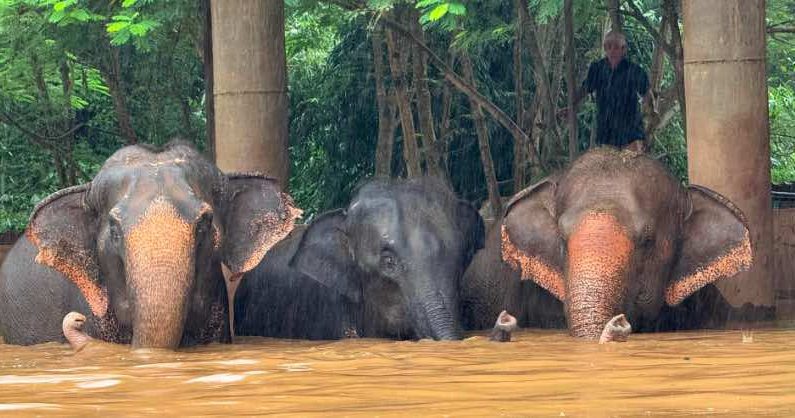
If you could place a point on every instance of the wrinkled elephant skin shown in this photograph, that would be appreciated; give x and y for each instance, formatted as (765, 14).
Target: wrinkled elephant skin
(387, 266)
(140, 250)
(615, 233)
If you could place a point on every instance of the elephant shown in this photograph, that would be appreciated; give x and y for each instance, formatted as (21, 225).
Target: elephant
(142, 249)
(614, 233)
(387, 266)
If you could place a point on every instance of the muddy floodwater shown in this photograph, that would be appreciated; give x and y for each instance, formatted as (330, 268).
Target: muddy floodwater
(541, 373)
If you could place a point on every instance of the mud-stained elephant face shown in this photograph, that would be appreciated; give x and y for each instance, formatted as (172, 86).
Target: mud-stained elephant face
(617, 233)
(144, 240)
(401, 247)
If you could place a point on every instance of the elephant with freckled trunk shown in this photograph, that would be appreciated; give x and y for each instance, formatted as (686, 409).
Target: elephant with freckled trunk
(614, 233)
(140, 251)
(387, 266)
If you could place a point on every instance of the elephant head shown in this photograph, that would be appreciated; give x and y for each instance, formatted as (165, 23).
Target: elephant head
(617, 233)
(399, 249)
(145, 239)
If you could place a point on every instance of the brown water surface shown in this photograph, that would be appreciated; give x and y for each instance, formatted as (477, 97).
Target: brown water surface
(541, 373)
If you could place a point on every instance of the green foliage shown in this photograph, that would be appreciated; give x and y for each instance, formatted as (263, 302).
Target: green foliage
(782, 134)
(162, 79)
(333, 119)
(440, 13)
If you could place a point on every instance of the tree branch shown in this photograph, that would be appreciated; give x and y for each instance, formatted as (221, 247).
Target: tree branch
(658, 37)
(37, 137)
(781, 29)
(450, 75)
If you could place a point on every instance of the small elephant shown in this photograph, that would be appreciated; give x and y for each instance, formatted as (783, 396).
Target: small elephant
(614, 233)
(386, 266)
(140, 249)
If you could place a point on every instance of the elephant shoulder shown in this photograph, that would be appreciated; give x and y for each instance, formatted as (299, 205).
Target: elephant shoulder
(34, 298)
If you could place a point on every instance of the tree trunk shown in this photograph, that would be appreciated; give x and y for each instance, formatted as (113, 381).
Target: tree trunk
(113, 79)
(463, 86)
(70, 169)
(250, 87)
(570, 83)
(543, 87)
(483, 142)
(670, 8)
(386, 130)
(209, 97)
(673, 46)
(519, 155)
(411, 154)
(424, 110)
(616, 19)
(444, 125)
(729, 146)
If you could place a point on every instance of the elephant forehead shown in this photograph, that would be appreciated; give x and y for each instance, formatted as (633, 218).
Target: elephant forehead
(599, 245)
(178, 180)
(160, 235)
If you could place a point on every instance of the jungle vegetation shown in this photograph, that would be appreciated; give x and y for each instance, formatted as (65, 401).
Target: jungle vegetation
(469, 91)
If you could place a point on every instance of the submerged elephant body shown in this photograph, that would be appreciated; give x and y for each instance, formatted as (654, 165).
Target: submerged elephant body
(614, 233)
(387, 266)
(139, 249)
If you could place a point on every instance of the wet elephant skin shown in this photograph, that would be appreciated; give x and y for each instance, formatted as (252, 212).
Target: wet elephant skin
(139, 250)
(386, 266)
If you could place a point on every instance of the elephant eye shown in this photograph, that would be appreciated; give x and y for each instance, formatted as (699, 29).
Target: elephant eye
(388, 262)
(203, 225)
(114, 229)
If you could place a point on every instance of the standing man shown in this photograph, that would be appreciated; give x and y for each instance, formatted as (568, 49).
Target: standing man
(619, 84)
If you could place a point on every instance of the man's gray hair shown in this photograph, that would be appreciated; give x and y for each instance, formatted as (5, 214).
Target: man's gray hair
(615, 36)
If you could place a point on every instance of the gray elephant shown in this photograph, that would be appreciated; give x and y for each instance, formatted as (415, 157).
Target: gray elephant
(614, 233)
(387, 266)
(140, 250)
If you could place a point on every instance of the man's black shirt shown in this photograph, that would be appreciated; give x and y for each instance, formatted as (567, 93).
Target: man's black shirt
(619, 120)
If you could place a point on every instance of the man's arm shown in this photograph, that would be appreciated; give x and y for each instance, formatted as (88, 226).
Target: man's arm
(583, 90)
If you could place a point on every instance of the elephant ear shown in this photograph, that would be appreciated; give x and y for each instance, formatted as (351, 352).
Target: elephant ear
(256, 215)
(64, 231)
(715, 244)
(324, 254)
(470, 223)
(531, 241)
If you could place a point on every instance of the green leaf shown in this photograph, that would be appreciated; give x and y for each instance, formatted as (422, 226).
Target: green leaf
(117, 26)
(80, 15)
(122, 18)
(62, 5)
(457, 9)
(425, 3)
(139, 29)
(120, 38)
(128, 3)
(57, 16)
(438, 12)
(78, 103)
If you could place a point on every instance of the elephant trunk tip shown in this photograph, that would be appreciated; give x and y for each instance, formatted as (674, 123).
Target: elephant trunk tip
(505, 325)
(72, 327)
(617, 329)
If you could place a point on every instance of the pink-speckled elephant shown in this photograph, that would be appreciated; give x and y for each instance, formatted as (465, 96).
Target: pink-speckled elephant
(614, 233)
(141, 250)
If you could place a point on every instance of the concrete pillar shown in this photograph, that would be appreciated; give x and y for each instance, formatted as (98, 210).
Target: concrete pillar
(250, 86)
(727, 124)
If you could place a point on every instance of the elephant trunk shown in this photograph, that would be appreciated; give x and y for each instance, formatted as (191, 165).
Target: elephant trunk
(160, 311)
(438, 318)
(160, 276)
(599, 251)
